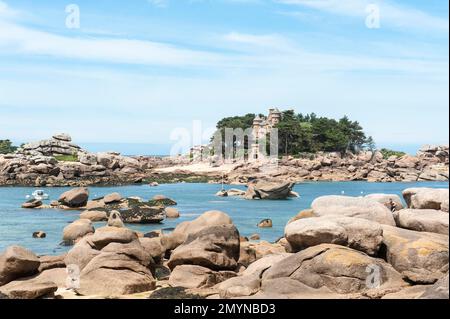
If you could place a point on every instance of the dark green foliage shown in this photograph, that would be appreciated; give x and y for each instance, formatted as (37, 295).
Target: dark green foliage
(388, 153)
(298, 133)
(6, 147)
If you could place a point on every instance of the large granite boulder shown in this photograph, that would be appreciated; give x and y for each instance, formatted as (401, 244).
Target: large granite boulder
(181, 232)
(192, 276)
(75, 198)
(357, 233)
(153, 247)
(215, 247)
(420, 257)
(340, 269)
(353, 207)
(32, 203)
(112, 198)
(386, 199)
(241, 286)
(17, 262)
(77, 230)
(427, 198)
(427, 220)
(269, 190)
(81, 254)
(106, 235)
(112, 262)
(437, 291)
(29, 289)
(62, 137)
(94, 216)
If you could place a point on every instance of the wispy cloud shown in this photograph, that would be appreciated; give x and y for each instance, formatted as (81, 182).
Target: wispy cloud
(6, 11)
(159, 3)
(392, 15)
(24, 40)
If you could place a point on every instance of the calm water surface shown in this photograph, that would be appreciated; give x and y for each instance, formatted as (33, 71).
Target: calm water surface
(17, 225)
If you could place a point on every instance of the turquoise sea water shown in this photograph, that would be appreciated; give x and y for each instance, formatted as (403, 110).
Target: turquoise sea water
(17, 225)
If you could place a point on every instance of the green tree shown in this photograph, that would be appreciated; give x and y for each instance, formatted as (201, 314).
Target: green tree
(7, 147)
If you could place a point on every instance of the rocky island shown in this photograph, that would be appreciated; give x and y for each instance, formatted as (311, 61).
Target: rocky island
(60, 162)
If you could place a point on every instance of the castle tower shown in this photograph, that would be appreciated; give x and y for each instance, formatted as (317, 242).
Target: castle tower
(274, 117)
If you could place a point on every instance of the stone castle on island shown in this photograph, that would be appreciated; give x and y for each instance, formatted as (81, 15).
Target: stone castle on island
(262, 125)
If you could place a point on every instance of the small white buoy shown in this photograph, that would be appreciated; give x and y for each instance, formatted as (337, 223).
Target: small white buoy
(342, 192)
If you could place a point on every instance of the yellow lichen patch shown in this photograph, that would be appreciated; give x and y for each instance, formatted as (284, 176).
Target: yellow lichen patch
(346, 257)
(426, 247)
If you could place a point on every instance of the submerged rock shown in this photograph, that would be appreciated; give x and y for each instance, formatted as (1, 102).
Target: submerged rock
(33, 203)
(39, 234)
(172, 212)
(265, 223)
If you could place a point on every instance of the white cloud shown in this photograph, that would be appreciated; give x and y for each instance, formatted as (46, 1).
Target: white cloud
(391, 14)
(23, 40)
(159, 3)
(6, 11)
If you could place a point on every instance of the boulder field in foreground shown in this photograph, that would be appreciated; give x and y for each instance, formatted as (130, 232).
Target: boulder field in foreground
(344, 252)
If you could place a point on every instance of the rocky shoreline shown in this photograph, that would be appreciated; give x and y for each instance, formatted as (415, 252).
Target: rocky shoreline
(59, 162)
(341, 248)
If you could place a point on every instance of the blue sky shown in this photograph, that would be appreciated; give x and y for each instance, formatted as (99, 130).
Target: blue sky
(136, 70)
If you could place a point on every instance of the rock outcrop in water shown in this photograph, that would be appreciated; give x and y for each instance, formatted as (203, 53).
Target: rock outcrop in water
(59, 162)
(342, 247)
